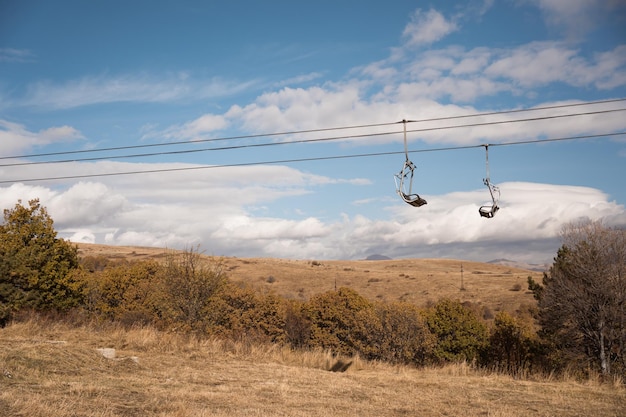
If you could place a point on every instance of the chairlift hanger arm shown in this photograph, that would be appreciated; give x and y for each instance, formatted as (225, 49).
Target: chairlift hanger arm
(408, 171)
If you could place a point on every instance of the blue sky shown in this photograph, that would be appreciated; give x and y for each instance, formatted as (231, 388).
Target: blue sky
(176, 76)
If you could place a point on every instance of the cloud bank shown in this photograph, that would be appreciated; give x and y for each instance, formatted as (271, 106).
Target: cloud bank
(191, 209)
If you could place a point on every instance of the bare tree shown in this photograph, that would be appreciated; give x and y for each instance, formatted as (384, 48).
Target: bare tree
(583, 299)
(190, 283)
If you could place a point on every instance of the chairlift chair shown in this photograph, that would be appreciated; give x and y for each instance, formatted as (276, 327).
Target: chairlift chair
(489, 211)
(404, 190)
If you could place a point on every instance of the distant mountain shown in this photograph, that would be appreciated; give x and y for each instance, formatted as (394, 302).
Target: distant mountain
(521, 265)
(377, 257)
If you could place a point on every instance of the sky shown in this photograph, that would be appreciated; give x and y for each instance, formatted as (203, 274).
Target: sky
(274, 129)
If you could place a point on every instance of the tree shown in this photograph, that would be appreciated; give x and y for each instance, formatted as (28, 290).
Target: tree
(297, 324)
(344, 322)
(404, 336)
(191, 284)
(583, 300)
(37, 270)
(512, 344)
(239, 312)
(461, 336)
(130, 293)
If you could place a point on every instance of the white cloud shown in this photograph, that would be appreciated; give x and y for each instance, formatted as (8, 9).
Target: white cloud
(427, 27)
(197, 129)
(299, 108)
(450, 223)
(126, 88)
(15, 138)
(471, 62)
(346, 104)
(535, 64)
(575, 17)
(86, 204)
(304, 78)
(190, 209)
(16, 55)
(258, 229)
(466, 76)
(608, 71)
(541, 63)
(81, 236)
(10, 195)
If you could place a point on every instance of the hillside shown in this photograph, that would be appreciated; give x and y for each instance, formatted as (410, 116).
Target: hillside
(419, 281)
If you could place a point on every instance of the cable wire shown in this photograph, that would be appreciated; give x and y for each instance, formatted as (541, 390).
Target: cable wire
(326, 139)
(321, 158)
(295, 132)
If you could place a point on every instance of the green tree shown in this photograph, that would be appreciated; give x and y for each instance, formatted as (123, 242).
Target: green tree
(582, 304)
(344, 322)
(36, 268)
(461, 336)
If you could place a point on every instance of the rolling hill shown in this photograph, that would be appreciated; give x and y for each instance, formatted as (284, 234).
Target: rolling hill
(419, 281)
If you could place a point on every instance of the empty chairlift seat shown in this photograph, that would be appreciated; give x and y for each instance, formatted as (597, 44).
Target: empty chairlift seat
(489, 211)
(404, 179)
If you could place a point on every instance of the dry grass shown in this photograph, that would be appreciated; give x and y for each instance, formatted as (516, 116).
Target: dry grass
(419, 281)
(54, 369)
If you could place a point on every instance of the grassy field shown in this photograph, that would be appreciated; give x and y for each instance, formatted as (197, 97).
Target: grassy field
(54, 369)
(419, 281)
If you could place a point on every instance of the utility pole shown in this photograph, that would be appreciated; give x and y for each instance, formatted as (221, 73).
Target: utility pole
(462, 286)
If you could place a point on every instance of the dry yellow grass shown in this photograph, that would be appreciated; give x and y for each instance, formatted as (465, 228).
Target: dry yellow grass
(419, 281)
(53, 369)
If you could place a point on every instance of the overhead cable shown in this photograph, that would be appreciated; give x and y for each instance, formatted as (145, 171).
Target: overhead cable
(326, 139)
(321, 158)
(298, 132)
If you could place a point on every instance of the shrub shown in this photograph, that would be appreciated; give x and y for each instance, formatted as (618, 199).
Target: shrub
(403, 336)
(239, 312)
(190, 286)
(461, 336)
(512, 344)
(127, 293)
(297, 325)
(342, 321)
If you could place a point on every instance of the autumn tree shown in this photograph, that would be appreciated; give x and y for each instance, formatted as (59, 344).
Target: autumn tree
(344, 322)
(513, 344)
(128, 292)
(239, 312)
(404, 336)
(190, 284)
(582, 302)
(297, 324)
(37, 270)
(461, 336)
